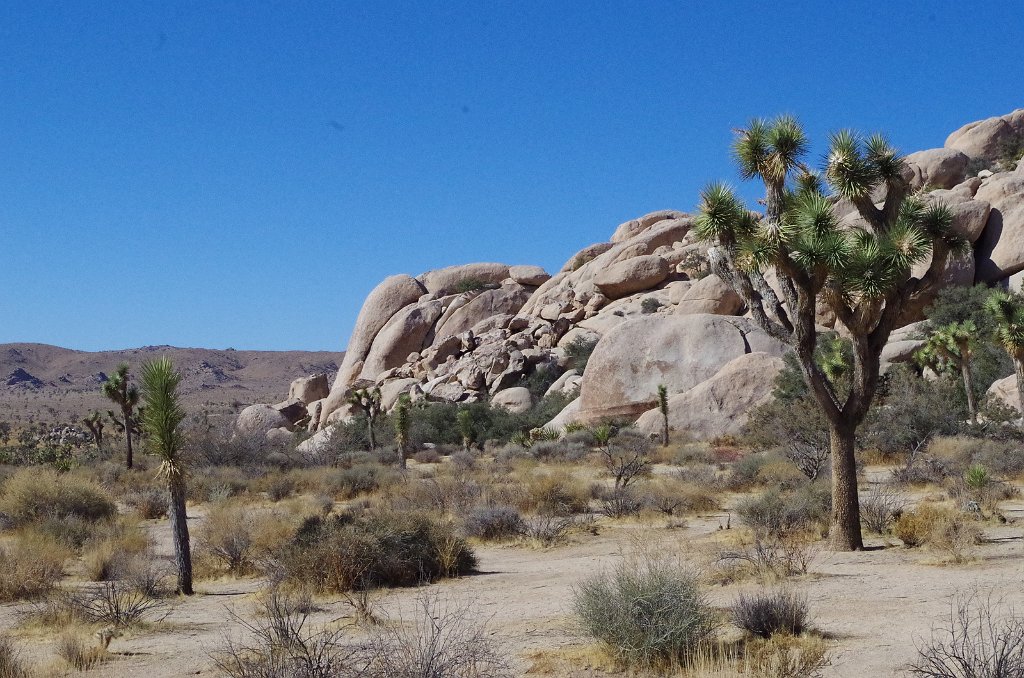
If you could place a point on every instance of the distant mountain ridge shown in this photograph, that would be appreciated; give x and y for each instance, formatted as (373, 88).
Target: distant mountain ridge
(55, 384)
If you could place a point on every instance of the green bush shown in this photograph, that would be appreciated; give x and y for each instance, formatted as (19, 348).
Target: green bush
(579, 351)
(648, 611)
(35, 494)
(345, 553)
(778, 514)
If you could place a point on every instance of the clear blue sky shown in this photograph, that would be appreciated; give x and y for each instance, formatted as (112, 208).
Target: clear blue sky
(241, 174)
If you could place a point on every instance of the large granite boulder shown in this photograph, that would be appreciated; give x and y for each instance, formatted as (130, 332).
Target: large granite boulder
(516, 400)
(635, 227)
(710, 294)
(1005, 390)
(632, 275)
(309, 389)
(528, 275)
(719, 405)
(1000, 249)
(679, 351)
(937, 167)
(257, 420)
(449, 280)
(403, 334)
(985, 139)
(507, 299)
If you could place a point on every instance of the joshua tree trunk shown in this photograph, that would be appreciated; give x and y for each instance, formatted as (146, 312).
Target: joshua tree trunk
(369, 431)
(128, 435)
(845, 529)
(664, 429)
(1018, 369)
(972, 405)
(179, 532)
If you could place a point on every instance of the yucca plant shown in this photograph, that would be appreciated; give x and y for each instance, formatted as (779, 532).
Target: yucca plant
(94, 422)
(162, 420)
(861, 273)
(1008, 312)
(119, 390)
(401, 423)
(663, 407)
(949, 349)
(464, 419)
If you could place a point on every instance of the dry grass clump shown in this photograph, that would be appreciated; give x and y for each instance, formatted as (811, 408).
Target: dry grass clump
(673, 496)
(881, 506)
(647, 612)
(241, 538)
(110, 551)
(34, 494)
(383, 548)
(11, 663)
(31, 565)
(151, 503)
(940, 528)
(494, 523)
(79, 654)
(785, 656)
(767, 614)
(554, 492)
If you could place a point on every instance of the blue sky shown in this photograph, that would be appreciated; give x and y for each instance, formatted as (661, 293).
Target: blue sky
(241, 174)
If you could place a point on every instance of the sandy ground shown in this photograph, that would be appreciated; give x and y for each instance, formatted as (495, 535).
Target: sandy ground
(875, 606)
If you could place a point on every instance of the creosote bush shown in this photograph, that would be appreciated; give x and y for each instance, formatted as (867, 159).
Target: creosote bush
(494, 523)
(31, 565)
(648, 611)
(348, 552)
(940, 528)
(33, 494)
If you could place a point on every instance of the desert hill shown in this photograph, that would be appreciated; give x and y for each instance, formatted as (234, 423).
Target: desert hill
(55, 384)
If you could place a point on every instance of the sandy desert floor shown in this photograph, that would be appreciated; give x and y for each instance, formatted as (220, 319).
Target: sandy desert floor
(874, 606)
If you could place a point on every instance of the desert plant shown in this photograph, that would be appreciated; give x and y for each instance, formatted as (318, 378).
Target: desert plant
(30, 565)
(77, 653)
(401, 424)
(36, 494)
(620, 502)
(162, 421)
(950, 348)
(439, 640)
(785, 656)
(548, 529)
(94, 422)
(882, 506)
(648, 611)
(465, 421)
(941, 529)
(626, 459)
(11, 663)
(116, 604)
(974, 642)
(768, 614)
(151, 503)
(649, 305)
(579, 351)
(867, 272)
(367, 401)
(120, 391)
(494, 523)
(1008, 311)
(663, 408)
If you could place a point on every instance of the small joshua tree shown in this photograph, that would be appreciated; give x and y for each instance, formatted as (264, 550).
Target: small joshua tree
(950, 348)
(1008, 311)
(119, 390)
(663, 406)
(861, 273)
(368, 401)
(465, 421)
(94, 422)
(162, 420)
(401, 422)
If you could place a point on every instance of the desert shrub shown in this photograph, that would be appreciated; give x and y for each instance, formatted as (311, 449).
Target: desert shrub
(11, 663)
(116, 604)
(1002, 458)
(547, 529)
(538, 381)
(462, 461)
(218, 483)
(30, 566)
(785, 656)
(744, 472)
(767, 556)
(776, 514)
(365, 478)
(781, 474)
(279, 486)
(150, 503)
(881, 507)
(579, 351)
(442, 493)
(795, 426)
(980, 639)
(439, 640)
(767, 614)
(242, 538)
(469, 285)
(940, 528)
(428, 456)
(619, 502)
(108, 553)
(77, 653)
(910, 410)
(673, 496)
(554, 492)
(648, 611)
(345, 552)
(494, 523)
(627, 457)
(34, 494)
(649, 305)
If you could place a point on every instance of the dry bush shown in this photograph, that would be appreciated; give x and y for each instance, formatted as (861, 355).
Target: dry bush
(777, 514)
(940, 528)
(648, 611)
(767, 614)
(768, 556)
(785, 656)
(241, 538)
(33, 494)
(494, 523)
(548, 529)
(78, 653)
(150, 503)
(619, 502)
(427, 456)
(11, 663)
(31, 565)
(109, 551)
(554, 492)
(117, 604)
(442, 493)
(357, 479)
(881, 507)
(980, 639)
(672, 496)
(346, 552)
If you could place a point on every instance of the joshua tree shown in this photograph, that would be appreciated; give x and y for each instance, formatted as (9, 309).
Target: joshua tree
(369, 402)
(119, 390)
(952, 347)
(663, 406)
(162, 421)
(862, 273)
(94, 422)
(401, 422)
(5, 432)
(464, 418)
(1008, 312)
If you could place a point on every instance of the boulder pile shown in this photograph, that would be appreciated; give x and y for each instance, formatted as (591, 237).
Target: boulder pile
(646, 299)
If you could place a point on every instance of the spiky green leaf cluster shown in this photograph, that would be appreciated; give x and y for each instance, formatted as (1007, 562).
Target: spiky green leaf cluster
(1008, 311)
(163, 413)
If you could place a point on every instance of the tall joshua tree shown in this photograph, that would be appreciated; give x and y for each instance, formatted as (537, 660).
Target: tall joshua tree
(1008, 311)
(94, 422)
(663, 407)
(161, 420)
(119, 390)
(368, 400)
(952, 347)
(861, 273)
